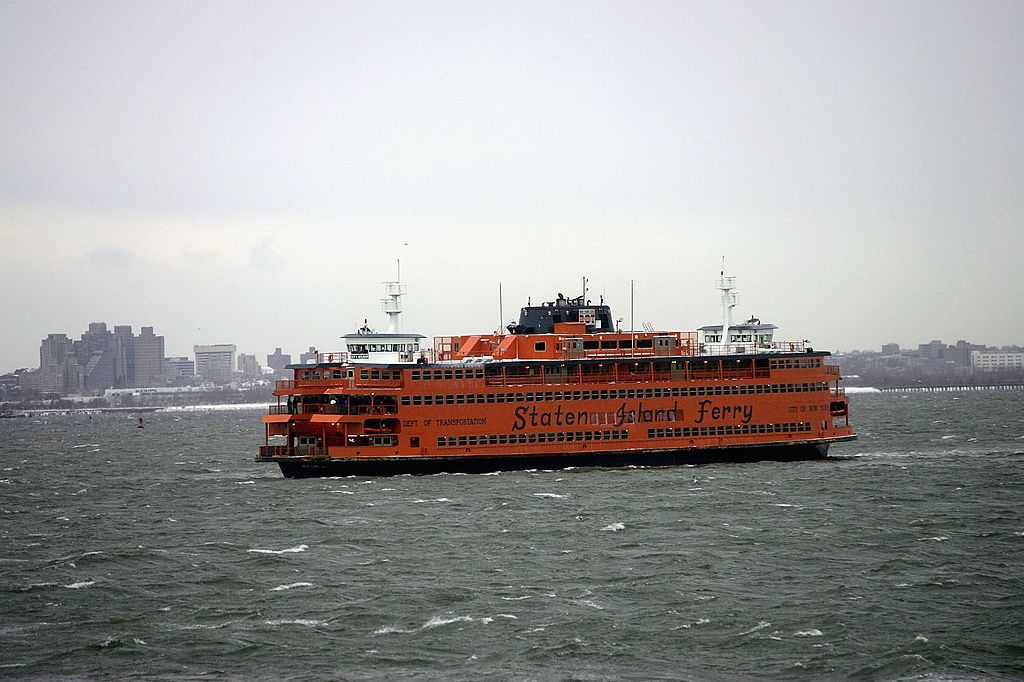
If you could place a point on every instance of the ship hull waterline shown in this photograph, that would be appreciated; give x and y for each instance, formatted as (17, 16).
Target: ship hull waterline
(313, 467)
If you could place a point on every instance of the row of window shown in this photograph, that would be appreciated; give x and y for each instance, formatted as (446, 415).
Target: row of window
(794, 363)
(737, 430)
(478, 372)
(612, 394)
(438, 374)
(327, 374)
(383, 347)
(549, 437)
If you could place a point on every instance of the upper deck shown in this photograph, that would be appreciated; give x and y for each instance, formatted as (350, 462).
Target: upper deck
(338, 376)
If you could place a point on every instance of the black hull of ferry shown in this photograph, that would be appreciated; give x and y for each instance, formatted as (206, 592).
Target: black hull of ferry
(309, 467)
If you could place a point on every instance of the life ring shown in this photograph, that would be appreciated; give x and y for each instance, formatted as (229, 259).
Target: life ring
(330, 358)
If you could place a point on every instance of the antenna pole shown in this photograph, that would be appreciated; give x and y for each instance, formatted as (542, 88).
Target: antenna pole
(632, 345)
(501, 310)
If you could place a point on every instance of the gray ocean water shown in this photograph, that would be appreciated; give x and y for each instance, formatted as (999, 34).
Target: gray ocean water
(166, 551)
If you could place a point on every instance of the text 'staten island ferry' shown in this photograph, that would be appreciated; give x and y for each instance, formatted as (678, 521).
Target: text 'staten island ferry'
(562, 388)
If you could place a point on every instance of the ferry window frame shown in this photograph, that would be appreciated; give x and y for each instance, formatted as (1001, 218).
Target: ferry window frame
(540, 346)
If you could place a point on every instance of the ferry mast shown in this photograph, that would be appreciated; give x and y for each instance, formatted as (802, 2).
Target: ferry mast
(727, 285)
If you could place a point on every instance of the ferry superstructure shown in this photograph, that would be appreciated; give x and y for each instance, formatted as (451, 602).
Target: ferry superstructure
(562, 387)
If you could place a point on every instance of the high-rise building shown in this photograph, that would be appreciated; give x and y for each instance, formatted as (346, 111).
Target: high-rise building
(95, 355)
(149, 359)
(123, 350)
(215, 362)
(98, 361)
(309, 356)
(248, 366)
(278, 361)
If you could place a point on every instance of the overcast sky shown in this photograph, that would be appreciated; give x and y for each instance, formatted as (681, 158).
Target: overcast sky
(249, 172)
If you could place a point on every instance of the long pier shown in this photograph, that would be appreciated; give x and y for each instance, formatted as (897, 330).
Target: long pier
(964, 387)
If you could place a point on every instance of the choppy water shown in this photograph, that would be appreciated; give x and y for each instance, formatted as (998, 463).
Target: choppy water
(167, 552)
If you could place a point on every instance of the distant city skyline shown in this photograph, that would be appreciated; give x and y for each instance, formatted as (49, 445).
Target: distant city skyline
(278, 358)
(249, 174)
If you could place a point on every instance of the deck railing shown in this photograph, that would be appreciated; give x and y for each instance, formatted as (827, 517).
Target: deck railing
(752, 348)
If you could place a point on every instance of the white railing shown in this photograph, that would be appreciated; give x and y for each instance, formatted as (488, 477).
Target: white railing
(752, 348)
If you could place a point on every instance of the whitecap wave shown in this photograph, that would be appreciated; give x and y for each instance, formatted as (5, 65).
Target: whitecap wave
(813, 632)
(290, 586)
(295, 621)
(80, 585)
(615, 527)
(438, 621)
(687, 626)
(555, 495)
(434, 622)
(760, 626)
(290, 550)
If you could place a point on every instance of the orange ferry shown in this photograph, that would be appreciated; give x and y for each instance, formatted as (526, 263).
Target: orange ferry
(562, 388)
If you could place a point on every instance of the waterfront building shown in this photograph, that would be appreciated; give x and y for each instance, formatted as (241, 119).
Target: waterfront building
(995, 360)
(309, 356)
(179, 367)
(215, 362)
